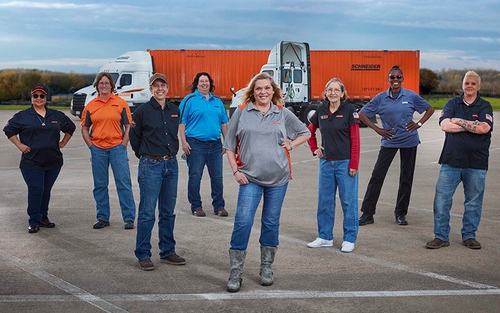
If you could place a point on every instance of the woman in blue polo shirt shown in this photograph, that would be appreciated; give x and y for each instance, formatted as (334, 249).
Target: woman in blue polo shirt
(39, 129)
(395, 107)
(203, 120)
(338, 156)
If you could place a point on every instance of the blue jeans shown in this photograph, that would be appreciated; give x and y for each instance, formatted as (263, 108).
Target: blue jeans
(209, 153)
(118, 158)
(334, 174)
(473, 181)
(249, 197)
(158, 185)
(39, 184)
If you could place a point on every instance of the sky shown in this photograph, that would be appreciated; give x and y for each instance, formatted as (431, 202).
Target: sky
(81, 36)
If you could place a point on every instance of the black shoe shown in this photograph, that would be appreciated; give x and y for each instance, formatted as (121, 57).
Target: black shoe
(146, 265)
(33, 229)
(366, 219)
(47, 224)
(401, 220)
(173, 259)
(129, 225)
(100, 224)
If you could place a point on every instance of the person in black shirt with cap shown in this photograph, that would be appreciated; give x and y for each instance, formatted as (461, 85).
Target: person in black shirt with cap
(36, 132)
(154, 140)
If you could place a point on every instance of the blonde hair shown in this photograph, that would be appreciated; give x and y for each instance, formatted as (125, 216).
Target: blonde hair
(248, 93)
(472, 73)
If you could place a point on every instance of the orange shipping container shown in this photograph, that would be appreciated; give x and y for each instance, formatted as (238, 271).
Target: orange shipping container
(363, 72)
(226, 67)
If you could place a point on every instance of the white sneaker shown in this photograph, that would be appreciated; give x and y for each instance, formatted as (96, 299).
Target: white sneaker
(318, 243)
(347, 246)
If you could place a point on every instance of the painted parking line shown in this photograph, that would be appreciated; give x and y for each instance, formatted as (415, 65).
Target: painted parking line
(103, 302)
(378, 262)
(74, 291)
(250, 295)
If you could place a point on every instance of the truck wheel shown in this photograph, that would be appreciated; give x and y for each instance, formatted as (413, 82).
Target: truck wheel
(309, 112)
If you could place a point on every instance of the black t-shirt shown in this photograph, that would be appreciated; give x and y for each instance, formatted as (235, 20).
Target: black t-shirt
(466, 149)
(335, 130)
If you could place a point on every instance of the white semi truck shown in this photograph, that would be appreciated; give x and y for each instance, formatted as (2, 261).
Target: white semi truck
(289, 65)
(130, 71)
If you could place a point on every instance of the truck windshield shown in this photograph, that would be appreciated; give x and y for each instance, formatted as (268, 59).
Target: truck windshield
(287, 77)
(125, 80)
(115, 76)
(297, 76)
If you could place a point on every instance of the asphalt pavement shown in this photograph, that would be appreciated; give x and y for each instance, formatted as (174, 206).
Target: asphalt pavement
(75, 268)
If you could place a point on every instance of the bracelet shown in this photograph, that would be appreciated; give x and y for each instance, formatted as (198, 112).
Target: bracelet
(234, 173)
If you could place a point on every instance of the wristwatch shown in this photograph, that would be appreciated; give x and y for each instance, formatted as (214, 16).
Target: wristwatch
(419, 124)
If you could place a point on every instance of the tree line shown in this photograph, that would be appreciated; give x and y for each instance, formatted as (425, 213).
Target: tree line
(15, 84)
(449, 82)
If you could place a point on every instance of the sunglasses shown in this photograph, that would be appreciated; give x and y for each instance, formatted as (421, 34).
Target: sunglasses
(35, 96)
(394, 77)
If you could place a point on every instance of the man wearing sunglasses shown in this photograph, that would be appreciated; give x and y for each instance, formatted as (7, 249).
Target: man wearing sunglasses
(395, 108)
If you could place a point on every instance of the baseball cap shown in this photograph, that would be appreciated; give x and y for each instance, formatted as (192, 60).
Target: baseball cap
(157, 76)
(39, 88)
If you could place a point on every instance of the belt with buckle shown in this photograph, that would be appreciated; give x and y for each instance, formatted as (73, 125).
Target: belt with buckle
(163, 157)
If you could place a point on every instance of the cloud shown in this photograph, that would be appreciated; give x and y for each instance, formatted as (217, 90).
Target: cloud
(456, 59)
(54, 63)
(46, 5)
(46, 31)
(479, 39)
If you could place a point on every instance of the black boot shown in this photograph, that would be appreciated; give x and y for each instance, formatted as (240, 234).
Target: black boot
(366, 219)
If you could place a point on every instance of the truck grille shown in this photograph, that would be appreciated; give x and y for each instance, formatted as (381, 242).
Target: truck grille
(79, 101)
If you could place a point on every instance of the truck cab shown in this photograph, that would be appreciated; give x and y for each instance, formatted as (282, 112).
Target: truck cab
(289, 65)
(130, 72)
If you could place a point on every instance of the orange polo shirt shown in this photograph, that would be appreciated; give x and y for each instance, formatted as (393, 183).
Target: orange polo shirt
(106, 121)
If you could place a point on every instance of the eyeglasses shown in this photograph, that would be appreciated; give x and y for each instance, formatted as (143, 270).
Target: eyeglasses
(394, 77)
(104, 83)
(330, 90)
(35, 96)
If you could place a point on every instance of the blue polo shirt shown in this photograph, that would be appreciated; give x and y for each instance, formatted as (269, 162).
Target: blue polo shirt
(466, 149)
(203, 118)
(395, 113)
